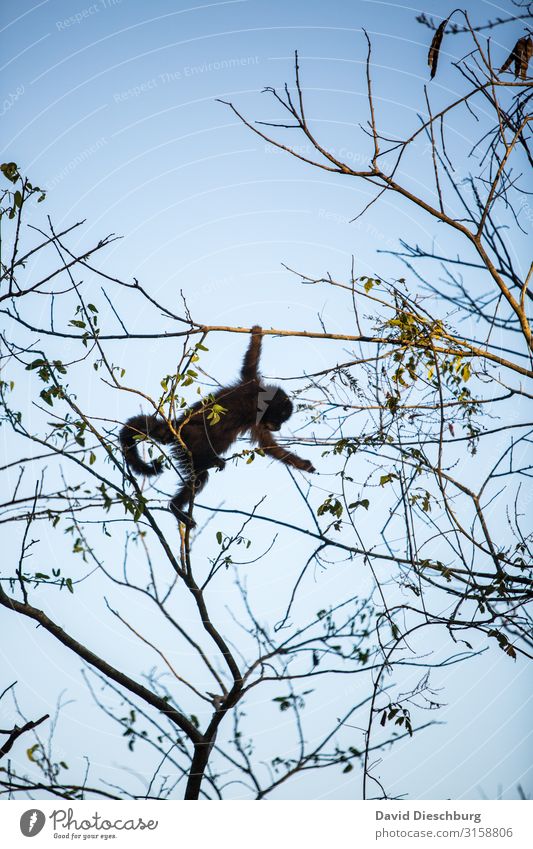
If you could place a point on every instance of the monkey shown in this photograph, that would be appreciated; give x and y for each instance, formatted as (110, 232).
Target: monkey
(249, 406)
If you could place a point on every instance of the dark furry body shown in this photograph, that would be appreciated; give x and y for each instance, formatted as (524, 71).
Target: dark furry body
(249, 406)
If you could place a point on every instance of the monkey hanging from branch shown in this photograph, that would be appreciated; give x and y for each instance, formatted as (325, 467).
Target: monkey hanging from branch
(198, 438)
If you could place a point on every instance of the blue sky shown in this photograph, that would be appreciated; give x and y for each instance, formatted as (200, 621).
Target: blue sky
(112, 106)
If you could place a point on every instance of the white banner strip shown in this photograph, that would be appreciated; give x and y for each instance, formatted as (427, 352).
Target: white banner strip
(232, 825)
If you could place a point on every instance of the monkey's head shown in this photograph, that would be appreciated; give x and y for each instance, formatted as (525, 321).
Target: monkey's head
(274, 407)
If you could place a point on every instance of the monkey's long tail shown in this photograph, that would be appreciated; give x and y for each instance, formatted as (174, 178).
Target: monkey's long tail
(150, 426)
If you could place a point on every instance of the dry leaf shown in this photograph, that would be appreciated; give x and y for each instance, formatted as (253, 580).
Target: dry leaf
(520, 55)
(434, 50)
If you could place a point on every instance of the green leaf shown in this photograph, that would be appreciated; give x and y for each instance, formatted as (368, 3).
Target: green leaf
(35, 364)
(139, 510)
(363, 503)
(215, 412)
(10, 171)
(46, 395)
(331, 505)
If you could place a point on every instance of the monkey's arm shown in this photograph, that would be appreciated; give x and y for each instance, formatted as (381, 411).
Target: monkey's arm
(251, 358)
(271, 448)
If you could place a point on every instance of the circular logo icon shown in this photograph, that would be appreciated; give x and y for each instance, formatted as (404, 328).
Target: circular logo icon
(32, 822)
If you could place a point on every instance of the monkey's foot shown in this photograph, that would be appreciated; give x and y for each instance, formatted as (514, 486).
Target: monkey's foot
(181, 516)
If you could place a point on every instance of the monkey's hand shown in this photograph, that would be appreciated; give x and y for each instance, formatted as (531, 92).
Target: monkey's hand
(220, 464)
(307, 466)
(256, 328)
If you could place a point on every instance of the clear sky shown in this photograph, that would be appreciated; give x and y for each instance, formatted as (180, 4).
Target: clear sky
(111, 105)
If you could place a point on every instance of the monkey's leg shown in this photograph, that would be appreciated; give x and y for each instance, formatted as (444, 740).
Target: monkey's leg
(185, 495)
